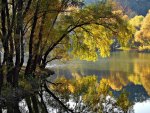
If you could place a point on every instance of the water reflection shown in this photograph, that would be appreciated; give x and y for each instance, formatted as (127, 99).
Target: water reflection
(87, 95)
(124, 70)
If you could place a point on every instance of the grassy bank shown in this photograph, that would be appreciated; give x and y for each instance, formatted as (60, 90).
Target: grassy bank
(127, 49)
(145, 49)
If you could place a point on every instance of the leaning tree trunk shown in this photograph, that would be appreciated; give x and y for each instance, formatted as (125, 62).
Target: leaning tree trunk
(29, 68)
(17, 40)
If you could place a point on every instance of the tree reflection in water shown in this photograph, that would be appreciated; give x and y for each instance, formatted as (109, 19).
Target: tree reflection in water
(123, 71)
(136, 83)
(87, 95)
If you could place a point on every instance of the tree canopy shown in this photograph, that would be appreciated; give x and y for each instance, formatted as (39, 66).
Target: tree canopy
(143, 34)
(35, 32)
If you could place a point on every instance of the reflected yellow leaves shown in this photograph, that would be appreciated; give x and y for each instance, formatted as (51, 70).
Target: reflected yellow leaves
(71, 88)
(103, 87)
(88, 91)
(141, 76)
(124, 102)
(145, 82)
(117, 80)
(135, 79)
(76, 86)
(137, 73)
(145, 77)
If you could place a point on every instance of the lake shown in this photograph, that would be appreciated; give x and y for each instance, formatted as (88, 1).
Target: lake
(125, 70)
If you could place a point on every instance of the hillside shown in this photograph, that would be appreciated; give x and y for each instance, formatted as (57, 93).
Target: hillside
(139, 7)
(132, 7)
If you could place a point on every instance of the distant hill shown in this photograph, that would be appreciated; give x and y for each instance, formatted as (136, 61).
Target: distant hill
(139, 7)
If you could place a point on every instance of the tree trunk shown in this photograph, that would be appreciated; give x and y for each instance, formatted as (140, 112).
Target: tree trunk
(17, 40)
(35, 104)
(10, 108)
(43, 104)
(13, 107)
(1, 74)
(1, 78)
(16, 108)
(28, 101)
(30, 66)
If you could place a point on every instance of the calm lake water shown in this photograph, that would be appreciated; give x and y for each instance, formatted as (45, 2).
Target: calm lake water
(128, 71)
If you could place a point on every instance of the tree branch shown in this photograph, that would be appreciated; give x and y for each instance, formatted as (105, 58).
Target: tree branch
(57, 99)
(27, 8)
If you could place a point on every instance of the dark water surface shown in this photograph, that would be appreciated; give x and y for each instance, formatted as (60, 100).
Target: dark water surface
(128, 71)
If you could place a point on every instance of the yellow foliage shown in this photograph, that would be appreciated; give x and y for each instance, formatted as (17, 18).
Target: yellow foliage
(124, 102)
(135, 79)
(143, 35)
(88, 90)
(136, 21)
(103, 87)
(71, 88)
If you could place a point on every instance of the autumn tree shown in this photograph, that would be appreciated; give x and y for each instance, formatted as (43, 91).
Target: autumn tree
(40, 31)
(136, 21)
(143, 34)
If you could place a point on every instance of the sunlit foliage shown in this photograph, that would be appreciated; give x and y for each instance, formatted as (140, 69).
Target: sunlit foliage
(143, 35)
(136, 21)
(92, 31)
